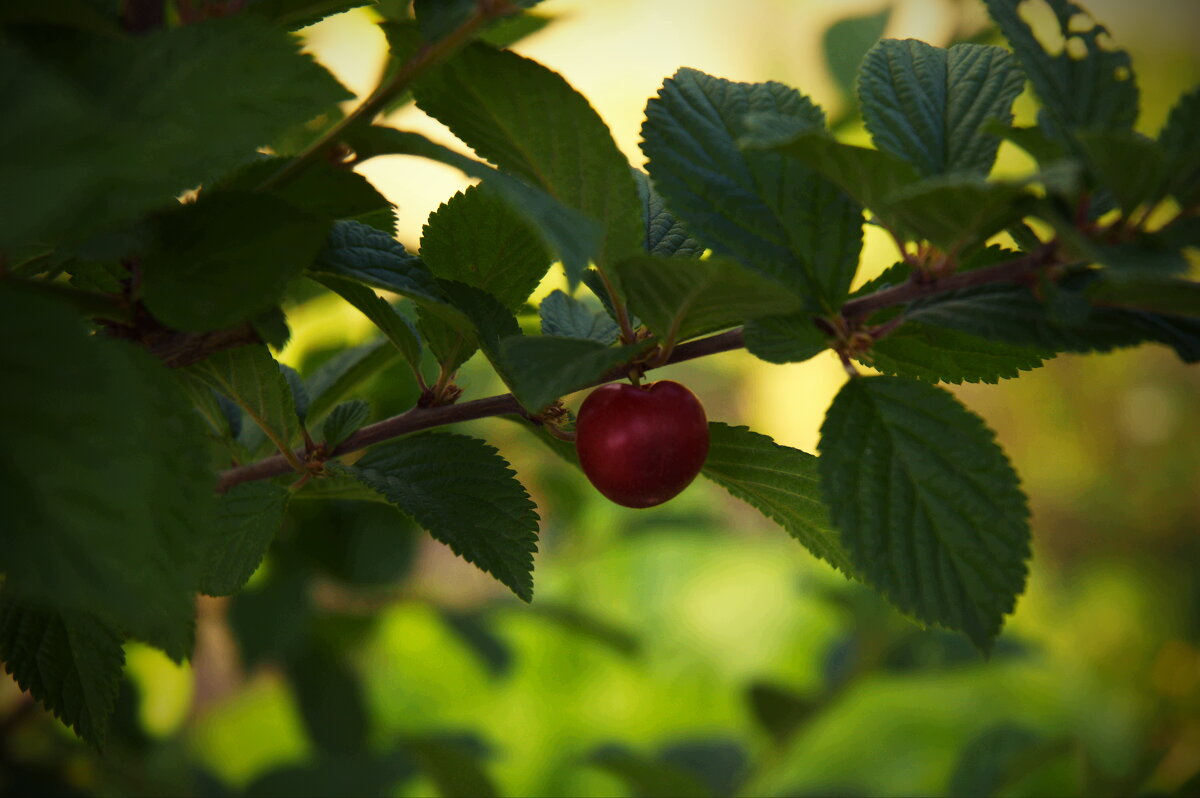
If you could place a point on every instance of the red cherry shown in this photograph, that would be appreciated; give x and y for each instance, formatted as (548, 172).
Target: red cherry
(641, 446)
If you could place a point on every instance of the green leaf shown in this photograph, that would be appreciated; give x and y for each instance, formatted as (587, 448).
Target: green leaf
(927, 105)
(362, 774)
(543, 368)
(477, 239)
(665, 235)
(593, 280)
(1180, 141)
(295, 14)
(336, 379)
(680, 298)
(1147, 292)
(935, 354)
(299, 391)
(359, 252)
(785, 339)
(321, 189)
(330, 699)
(993, 759)
(398, 329)
(225, 258)
(465, 495)
(1014, 315)
(453, 766)
(528, 121)
(250, 377)
(780, 482)
(345, 420)
(70, 661)
(1127, 164)
(565, 316)
(846, 41)
(131, 122)
(1082, 81)
(436, 18)
(104, 476)
(928, 507)
(477, 319)
(574, 236)
(957, 212)
(648, 778)
(771, 213)
(248, 516)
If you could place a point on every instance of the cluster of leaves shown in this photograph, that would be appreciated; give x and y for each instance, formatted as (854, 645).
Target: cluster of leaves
(750, 214)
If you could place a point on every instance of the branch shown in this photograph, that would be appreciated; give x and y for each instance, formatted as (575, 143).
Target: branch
(421, 61)
(1007, 272)
(420, 418)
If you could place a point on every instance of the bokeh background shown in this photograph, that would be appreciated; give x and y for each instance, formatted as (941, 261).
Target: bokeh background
(695, 648)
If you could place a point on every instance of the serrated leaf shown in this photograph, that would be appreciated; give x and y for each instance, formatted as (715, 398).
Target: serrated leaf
(299, 392)
(70, 661)
(321, 189)
(1014, 315)
(780, 482)
(131, 122)
(395, 327)
(935, 354)
(957, 212)
(333, 381)
(1127, 164)
(595, 282)
(250, 377)
(104, 476)
(572, 235)
(528, 121)
(773, 214)
(476, 319)
(248, 516)
(477, 239)
(680, 298)
(1145, 292)
(1180, 141)
(846, 41)
(927, 105)
(295, 14)
(565, 316)
(465, 495)
(785, 339)
(272, 328)
(929, 509)
(359, 252)
(543, 368)
(225, 258)
(665, 235)
(1082, 81)
(345, 420)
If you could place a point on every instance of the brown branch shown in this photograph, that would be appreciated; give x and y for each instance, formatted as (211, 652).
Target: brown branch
(917, 288)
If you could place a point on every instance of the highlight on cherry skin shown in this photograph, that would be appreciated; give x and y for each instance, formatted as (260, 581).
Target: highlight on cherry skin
(641, 445)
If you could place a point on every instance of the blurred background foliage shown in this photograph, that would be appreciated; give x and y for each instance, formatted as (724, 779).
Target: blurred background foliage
(694, 649)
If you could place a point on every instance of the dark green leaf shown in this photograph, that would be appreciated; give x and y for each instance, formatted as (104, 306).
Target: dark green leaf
(363, 543)
(272, 328)
(593, 280)
(779, 710)
(295, 14)
(928, 507)
(477, 239)
(330, 700)
(1152, 293)
(453, 766)
(333, 381)
(345, 420)
(771, 213)
(322, 189)
(780, 482)
(271, 618)
(250, 377)
(586, 625)
(398, 329)
(131, 122)
(299, 392)
(564, 315)
(1180, 141)
(527, 120)
(465, 495)
(226, 258)
(574, 236)
(70, 661)
(665, 235)
(436, 18)
(543, 368)
(473, 629)
(359, 775)
(785, 339)
(1083, 82)
(680, 298)
(248, 516)
(1127, 164)
(104, 476)
(510, 30)
(936, 354)
(359, 252)
(846, 42)
(478, 319)
(646, 777)
(927, 105)
(990, 760)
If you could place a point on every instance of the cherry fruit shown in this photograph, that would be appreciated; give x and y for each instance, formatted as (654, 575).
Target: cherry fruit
(641, 445)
